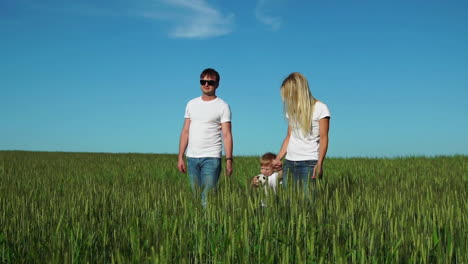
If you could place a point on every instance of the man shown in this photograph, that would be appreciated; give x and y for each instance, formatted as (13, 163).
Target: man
(207, 125)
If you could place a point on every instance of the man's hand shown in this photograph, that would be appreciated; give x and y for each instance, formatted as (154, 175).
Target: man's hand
(181, 165)
(228, 167)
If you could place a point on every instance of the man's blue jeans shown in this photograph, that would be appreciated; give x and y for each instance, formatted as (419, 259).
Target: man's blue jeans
(204, 174)
(300, 171)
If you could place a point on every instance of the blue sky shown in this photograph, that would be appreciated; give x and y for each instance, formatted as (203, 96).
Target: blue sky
(115, 76)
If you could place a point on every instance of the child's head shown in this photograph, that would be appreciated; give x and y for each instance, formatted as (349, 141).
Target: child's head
(266, 164)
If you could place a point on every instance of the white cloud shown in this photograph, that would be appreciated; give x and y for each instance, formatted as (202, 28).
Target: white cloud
(193, 19)
(188, 18)
(261, 13)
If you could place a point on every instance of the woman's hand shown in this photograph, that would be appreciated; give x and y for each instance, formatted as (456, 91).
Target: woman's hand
(318, 172)
(277, 165)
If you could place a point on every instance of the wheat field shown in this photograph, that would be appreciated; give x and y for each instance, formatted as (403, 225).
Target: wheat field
(58, 207)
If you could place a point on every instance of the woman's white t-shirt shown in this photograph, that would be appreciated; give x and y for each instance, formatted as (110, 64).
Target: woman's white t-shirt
(306, 147)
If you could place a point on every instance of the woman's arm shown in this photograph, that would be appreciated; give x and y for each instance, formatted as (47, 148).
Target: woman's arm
(324, 125)
(283, 150)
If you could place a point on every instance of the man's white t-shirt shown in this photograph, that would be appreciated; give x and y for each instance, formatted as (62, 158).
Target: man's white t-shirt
(306, 147)
(205, 139)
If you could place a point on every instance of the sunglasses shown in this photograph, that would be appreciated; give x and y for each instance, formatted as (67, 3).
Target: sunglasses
(210, 82)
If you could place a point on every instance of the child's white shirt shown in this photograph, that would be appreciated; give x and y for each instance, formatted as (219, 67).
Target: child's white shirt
(272, 181)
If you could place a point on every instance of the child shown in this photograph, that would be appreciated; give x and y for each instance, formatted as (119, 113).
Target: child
(273, 178)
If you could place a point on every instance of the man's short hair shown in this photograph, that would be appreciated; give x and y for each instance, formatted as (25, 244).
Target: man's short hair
(210, 72)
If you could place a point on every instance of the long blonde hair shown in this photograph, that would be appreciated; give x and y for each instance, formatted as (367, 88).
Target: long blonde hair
(298, 101)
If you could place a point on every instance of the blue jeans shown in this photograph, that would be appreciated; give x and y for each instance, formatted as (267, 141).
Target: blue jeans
(204, 173)
(300, 171)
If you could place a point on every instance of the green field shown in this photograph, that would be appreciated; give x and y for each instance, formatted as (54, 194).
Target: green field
(137, 208)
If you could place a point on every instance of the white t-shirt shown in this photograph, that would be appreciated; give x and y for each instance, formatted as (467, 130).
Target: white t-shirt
(306, 147)
(205, 139)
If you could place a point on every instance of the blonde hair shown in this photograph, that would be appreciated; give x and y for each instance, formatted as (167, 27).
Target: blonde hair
(298, 101)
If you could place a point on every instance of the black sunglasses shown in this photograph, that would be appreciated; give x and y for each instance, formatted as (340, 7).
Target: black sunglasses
(210, 82)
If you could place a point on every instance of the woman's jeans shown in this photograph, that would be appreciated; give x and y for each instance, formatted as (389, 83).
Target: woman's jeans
(300, 171)
(204, 174)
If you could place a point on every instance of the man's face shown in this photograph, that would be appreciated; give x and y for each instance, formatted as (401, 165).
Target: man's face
(205, 86)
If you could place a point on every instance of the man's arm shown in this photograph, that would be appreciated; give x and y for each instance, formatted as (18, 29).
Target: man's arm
(184, 135)
(228, 145)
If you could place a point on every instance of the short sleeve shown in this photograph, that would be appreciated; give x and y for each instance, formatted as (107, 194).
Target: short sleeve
(187, 111)
(226, 114)
(323, 111)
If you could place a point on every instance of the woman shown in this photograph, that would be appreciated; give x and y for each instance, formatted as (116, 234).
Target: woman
(306, 142)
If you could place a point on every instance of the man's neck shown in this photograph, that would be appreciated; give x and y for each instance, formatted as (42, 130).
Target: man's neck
(205, 97)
